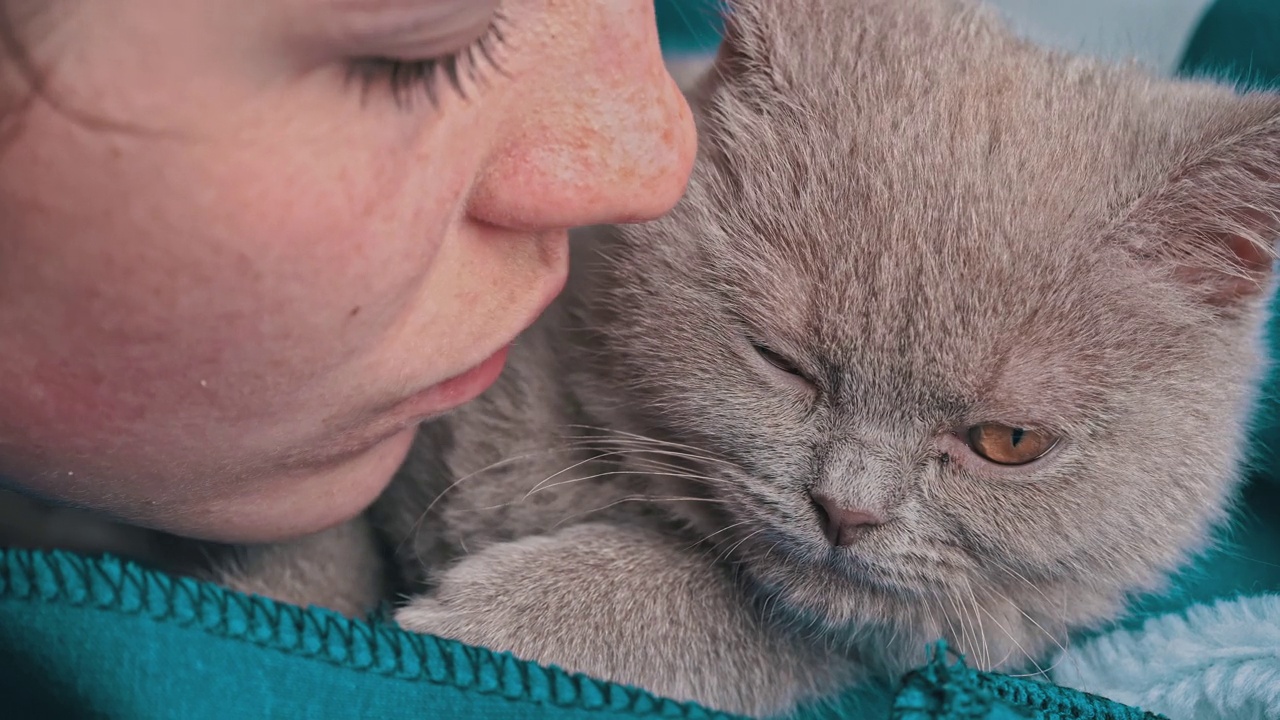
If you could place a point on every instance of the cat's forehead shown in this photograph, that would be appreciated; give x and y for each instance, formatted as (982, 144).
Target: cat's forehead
(918, 112)
(906, 189)
(885, 149)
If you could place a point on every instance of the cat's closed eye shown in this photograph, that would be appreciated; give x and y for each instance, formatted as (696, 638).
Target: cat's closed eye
(1006, 445)
(781, 363)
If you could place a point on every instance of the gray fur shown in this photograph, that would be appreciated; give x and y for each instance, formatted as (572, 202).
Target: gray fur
(942, 226)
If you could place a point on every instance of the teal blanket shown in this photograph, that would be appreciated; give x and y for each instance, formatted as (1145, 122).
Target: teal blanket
(82, 637)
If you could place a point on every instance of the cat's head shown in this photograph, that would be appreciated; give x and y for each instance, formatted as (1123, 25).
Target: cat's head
(973, 325)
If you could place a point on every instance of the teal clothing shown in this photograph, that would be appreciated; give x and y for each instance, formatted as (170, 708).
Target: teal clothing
(95, 638)
(86, 637)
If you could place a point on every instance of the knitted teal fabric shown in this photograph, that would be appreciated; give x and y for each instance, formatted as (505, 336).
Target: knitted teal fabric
(103, 638)
(948, 689)
(84, 637)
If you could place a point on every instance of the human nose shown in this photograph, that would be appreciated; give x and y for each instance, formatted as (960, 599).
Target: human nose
(609, 137)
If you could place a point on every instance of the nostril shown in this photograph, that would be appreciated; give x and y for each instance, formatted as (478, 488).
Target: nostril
(842, 525)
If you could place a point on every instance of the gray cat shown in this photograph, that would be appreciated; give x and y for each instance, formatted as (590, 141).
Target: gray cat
(950, 337)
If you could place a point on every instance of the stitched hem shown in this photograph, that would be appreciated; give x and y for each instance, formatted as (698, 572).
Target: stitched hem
(110, 584)
(953, 691)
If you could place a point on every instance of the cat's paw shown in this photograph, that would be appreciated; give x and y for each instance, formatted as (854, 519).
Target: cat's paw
(473, 625)
(428, 616)
(516, 597)
(627, 605)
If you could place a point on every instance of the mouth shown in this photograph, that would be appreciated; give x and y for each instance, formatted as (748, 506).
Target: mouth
(465, 386)
(778, 559)
(473, 382)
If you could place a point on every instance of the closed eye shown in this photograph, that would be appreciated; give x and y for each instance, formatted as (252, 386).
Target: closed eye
(781, 363)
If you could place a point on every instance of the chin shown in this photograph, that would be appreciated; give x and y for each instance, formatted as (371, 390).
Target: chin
(851, 599)
(829, 588)
(299, 501)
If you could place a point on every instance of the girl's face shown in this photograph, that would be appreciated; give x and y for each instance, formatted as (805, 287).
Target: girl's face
(247, 245)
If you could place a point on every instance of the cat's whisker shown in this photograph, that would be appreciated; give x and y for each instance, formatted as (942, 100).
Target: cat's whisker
(1038, 590)
(1045, 672)
(1001, 565)
(641, 457)
(717, 532)
(574, 466)
(585, 443)
(626, 452)
(1033, 621)
(633, 498)
(897, 628)
(595, 476)
(738, 544)
(982, 628)
(976, 630)
(770, 609)
(1005, 659)
(1039, 670)
(422, 516)
(528, 455)
(965, 630)
(956, 639)
(642, 446)
(700, 451)
(951, 628)
(675, 470)
(1249, 559)
(570, 481)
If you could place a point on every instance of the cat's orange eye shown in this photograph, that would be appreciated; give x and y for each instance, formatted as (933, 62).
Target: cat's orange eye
(1005, 445)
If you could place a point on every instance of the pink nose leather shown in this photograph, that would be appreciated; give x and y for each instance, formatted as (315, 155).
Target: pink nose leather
(843, 526)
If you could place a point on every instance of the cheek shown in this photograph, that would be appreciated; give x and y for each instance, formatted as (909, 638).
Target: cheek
(1027, 522)
(151, 275)
(339, 254)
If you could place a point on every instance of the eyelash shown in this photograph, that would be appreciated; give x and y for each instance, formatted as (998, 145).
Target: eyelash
(405, 77)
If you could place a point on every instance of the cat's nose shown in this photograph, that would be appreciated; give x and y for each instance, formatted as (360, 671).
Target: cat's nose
(844, 525)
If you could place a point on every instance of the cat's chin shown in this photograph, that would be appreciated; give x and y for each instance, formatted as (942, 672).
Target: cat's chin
(887, 626)
(866, 601)
(832, 591)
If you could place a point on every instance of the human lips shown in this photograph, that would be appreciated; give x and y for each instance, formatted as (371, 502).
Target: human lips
(472, 382)
(465, 386)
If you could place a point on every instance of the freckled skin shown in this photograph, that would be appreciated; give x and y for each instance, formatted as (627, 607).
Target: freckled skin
(216, 309)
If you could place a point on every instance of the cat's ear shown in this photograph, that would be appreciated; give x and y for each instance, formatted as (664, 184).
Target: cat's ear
(1216, 220)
